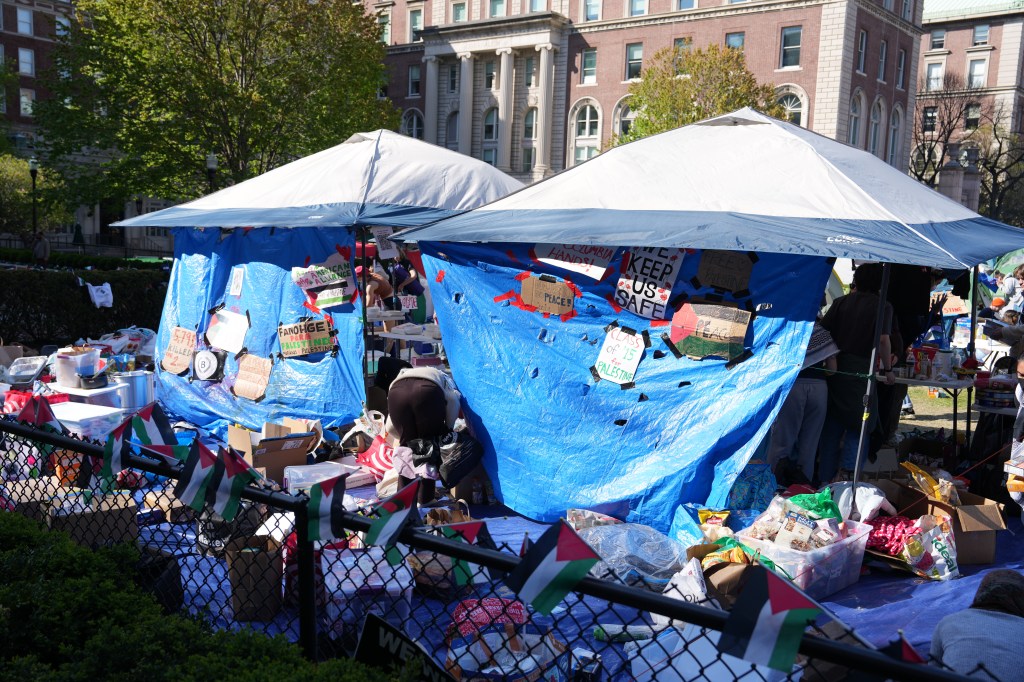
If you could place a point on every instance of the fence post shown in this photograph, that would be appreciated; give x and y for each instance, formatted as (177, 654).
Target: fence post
(307, 585)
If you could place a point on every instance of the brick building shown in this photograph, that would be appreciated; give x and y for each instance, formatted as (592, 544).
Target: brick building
(546, 80)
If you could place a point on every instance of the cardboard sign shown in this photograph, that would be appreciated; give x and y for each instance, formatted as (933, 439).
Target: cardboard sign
(331, 296)
(409, 302)
(336, 270)
(725, 270)
(237, 277)
(385, 247)
(381, 641)
(253, 377)
(646, 280)
(702, 330)
(620, 355)
(548, 295)
(305, 338)
(227, 331)
(591, 261)
(177, 357)
(953, 306)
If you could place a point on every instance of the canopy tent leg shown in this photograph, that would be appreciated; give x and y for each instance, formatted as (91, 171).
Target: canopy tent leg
(970, 354)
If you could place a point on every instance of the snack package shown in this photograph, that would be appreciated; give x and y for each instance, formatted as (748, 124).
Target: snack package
(826, 532)
(795, 532)
(730, 553)
(711, 517)
(584, 518)
(940, 489)
(930, 550)
(714, 533)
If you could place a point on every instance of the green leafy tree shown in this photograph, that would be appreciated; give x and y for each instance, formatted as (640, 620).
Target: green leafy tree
(16, 198)
(681, 86)
(144, 90)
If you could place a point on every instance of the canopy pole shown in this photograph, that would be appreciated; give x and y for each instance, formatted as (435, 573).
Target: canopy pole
(361, 237)
(870, 391)
(970, 353)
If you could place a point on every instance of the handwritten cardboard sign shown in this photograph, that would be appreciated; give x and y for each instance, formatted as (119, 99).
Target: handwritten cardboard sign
(177, 357)
(548, 295)
(409, 302)
(305, 338)
(646, 280)
(253, 376)
(385, 247)
(702, 330)
(227, 330)
(620, 355)
(953, 306)
(335, 270)
(591, 261)
(725, 270)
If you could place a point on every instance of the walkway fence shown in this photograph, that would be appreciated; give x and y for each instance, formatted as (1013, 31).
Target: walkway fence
(321, 595)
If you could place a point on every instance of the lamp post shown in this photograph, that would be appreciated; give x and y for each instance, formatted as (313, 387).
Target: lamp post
(211, 169)
(33, 170)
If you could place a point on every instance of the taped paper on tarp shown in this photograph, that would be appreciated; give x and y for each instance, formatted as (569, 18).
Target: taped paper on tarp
(326, 387)
(177, 357)
(556, 440)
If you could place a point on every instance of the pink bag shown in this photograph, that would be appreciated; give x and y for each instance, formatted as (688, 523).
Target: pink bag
(377, 458)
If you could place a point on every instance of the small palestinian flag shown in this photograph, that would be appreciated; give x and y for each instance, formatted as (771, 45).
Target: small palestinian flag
(552, 567)
(902, 650)
(152, 427)
(232, 475)
(115, 449)
(326, 503)
(195, 477)
(474, 533)
(37, 412)
(767, 621)
(392, 515)
(168, 453)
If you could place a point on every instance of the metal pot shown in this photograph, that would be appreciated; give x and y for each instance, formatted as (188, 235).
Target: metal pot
(141, 388)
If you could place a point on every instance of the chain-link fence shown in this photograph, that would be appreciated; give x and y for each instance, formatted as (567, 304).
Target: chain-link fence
(445, 595)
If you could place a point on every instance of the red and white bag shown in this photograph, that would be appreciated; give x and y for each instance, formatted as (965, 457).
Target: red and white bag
(377, 458)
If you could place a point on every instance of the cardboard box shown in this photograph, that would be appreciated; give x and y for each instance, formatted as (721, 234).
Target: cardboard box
(31, 496)
(276, 446)
(255, 573)
(173, 509)
(975, 521)
(95, 520)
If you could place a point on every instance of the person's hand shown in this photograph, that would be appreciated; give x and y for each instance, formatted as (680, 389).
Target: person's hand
(890, 377)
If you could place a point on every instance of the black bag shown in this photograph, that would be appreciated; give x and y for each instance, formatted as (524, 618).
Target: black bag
(460, 454)
(425, 451)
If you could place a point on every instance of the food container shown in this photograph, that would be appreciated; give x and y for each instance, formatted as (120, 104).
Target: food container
(88, 421)
(302, 477)
(74, 361)
(25, 370)
(141, 388)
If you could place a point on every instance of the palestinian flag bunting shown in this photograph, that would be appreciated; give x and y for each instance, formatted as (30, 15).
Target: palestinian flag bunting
(767, 621)
(231, 477)
(473, 533)
(552, 567)
(37, 412)
(902, 650)
(326, 502)
(152, 427)
(195, 477)
(168, 453)
(115, 449)
(392, 515)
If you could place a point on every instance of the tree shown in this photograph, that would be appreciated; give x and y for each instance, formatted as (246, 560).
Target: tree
(681, 86)
(939, 117)
(16, 198)
(144, 90)
(1000, 166)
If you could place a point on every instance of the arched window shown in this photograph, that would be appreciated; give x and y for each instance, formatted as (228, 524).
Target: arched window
(624, 117)
(794, 107)
(451, 137)
(491, 125)
(892, 157)
(412, 124)
(586, 141)
(875, 134)
(853, 136)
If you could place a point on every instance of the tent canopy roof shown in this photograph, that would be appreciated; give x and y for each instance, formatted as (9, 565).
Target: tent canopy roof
(376, 178)
(741, 181)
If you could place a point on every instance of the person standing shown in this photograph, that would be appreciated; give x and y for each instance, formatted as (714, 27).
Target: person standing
(41, 250)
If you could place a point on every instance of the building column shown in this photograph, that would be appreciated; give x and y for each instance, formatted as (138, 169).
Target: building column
(505, 113)
(544, 108)
(466, 104)
(430, 101)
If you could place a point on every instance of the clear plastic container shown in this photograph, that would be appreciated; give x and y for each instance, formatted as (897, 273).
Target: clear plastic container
(301, 478)
(25, 370)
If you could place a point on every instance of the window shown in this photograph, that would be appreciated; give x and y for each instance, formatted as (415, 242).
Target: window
(853, 136)
(415, 24)
(790, 55)
(588, 66)
(626, 118)
(530, 124)
(634, 60)
(933, 77)
(497, 8)
(685, 4)
(637, 8)
(490, 156)
(976, 73)
(928, 118)
(491, 125)
(384, 25)
(490, 76)
(62, 26)
(586, 138)
(981, 34)
(453, 78)
(888, 4)
(414, 80)
(25, 22)
(875, 128)
(794, 108)
(908, 10)
(883, 55)
(938, 39)
(901, 66)
(972, 119)
(528, 159)
(458, 12)
(862, 50)
(451, 133)
(26, 61)
(735, 40)
(591, 10)
(412, 124)
(895, 123)
(683, 44)
(531, 72)
(538, 5)
(28, 100)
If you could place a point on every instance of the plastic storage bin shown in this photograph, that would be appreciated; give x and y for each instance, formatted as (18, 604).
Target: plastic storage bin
(88, 421)
(820, 572)
(301, 478)
(361, 581)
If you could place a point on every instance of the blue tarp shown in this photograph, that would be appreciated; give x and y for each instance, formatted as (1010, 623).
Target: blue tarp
(315, 386)
(555, 438)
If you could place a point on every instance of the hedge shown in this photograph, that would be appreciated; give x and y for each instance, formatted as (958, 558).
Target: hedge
(69, 613)
(78, 261)
(40, 307)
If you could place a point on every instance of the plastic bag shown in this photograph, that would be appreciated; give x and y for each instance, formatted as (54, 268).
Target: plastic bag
(931, 551)
(870, 500)
(940, 489)
(584, 518)
(635, 553)
(754, 488)
(687, 585)
(818, 505)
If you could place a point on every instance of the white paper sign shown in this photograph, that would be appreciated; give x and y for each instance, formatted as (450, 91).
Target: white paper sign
(227, 331)
(237, 276)
(620, 355)
(385, 247)
(648, 275)
(591, 261)
(409, 302)
(335, 270)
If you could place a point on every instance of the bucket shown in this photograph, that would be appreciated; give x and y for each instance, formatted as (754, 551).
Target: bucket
(141, 388)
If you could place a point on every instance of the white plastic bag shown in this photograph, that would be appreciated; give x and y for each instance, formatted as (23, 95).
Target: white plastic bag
(101, 295)
(870, 500)
(687, 585)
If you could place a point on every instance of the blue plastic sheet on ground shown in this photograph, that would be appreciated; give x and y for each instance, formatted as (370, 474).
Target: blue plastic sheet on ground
(555, 439)
(316, 386)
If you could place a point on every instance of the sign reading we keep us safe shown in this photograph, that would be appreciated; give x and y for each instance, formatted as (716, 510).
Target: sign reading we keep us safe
(646, 280)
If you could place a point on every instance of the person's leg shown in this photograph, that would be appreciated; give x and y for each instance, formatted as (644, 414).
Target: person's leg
(828, 448)
(786, 426)
(815, 408)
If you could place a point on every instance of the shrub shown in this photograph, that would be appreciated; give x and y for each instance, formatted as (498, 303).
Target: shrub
(80, 261)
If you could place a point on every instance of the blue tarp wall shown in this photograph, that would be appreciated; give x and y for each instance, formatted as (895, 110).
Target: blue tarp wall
(556, 439)
(315, 386)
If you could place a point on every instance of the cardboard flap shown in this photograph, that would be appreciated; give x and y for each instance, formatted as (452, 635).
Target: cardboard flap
(979, 513)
